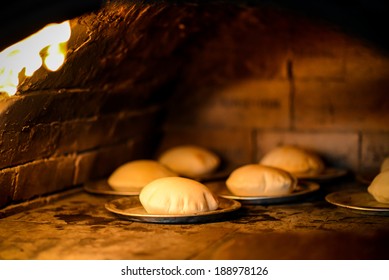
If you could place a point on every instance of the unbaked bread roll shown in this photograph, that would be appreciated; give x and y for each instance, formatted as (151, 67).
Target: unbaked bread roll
(379, 187)
(176, 196)
(134, 175)
(190, 161)
(385, 165)
(260, 180)
(294, 160)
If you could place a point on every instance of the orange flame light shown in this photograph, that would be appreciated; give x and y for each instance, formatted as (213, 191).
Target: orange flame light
(47, 47)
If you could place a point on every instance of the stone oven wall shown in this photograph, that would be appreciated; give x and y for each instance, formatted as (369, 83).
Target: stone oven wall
(101, 109)
(267, 78)
(141, 77)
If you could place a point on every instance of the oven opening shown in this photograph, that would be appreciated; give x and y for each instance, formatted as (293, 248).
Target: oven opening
(92, 88)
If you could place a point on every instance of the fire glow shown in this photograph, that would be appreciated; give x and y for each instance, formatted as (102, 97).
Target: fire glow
(46, 47)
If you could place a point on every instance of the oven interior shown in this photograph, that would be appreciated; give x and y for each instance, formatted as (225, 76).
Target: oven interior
(239, 78)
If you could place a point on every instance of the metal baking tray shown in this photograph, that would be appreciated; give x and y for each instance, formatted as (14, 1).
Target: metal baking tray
(130, 208)
(358, 200)
(102, 187)
(327, 174)
(303, 190)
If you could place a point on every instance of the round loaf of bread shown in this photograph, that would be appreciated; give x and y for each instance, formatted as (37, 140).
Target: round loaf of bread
(379, 187)
(294, 160)
(260, 180)
(385, 165)
(177, 196)
(190, 161)
(134, 175)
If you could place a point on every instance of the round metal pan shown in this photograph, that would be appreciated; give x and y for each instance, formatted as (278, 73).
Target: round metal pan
(130, 208)
(327, 174)
(102, 187)
(303, 190)
(358, 200)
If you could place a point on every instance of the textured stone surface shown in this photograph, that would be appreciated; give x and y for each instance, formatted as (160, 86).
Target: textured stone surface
(28, 144)
(105, 45)
(79, 227)
(364, 62)
(86, 134)
(7, 185)
(106, 130)
(49, 106)
(358, 105)
(318, 51)
(318, 245)
(44, 177)
(249, 103)
(101, 162)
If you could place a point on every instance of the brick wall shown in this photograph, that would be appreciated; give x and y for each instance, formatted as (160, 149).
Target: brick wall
(46, 155)
(269, 78)
(100, 110)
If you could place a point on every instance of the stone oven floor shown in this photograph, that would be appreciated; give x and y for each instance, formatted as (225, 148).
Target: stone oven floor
(78, 227)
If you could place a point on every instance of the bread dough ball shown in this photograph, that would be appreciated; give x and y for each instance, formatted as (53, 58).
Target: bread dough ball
(379, 187)
(190, 161)
(294, 160)
(176, 196)
(385, 165)
(260, 180)
(134, 175)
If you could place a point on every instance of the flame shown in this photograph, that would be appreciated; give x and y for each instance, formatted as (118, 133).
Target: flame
(47, 47)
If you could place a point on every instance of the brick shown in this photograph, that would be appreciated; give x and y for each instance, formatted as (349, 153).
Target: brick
(241, 63)
(126, 96)
(356, 105)
(100, 163)
(363, 62)
(44, 177)
(234, 146)
(170, 34)
(44, 107)
(374, 148)
(72, 104)
(19, 111)
(101, 47)
(339, 149)
(317, 51)
(131, 124)
(27, 144)
(84, 168)
(248, 55)
(85, 134)
(253, 103)
(7, 186)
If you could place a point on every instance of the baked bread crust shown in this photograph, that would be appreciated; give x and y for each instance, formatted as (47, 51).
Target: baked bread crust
(379, 187)
(177, 196)
(134, 175)
(294, 160)
(190, 161)
(260, 180)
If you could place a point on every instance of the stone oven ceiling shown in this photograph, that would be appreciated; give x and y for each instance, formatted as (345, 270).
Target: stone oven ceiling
(141, 31)
(366, 19)
(20, 19)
